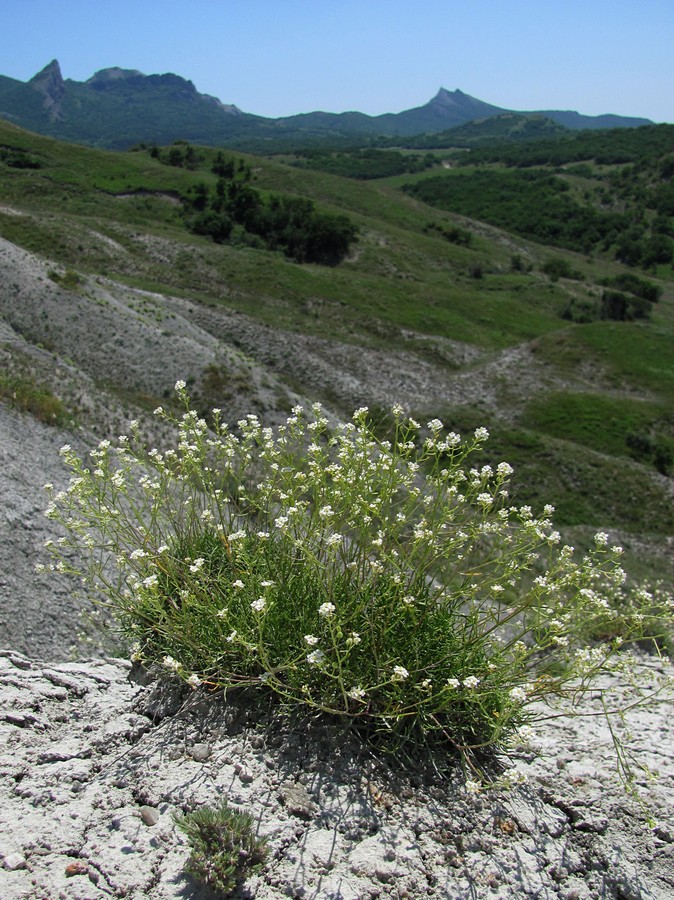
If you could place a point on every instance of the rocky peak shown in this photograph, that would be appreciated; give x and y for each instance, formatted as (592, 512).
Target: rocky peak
(113, 74)
(49, 82)
(447, 99)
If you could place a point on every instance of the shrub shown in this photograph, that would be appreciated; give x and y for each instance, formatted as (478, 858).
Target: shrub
(28, 395)
(623, 307)
(581, 310)
(68, 280)
(382, 581)
(556, 268)
(634, 285)
(224, 849)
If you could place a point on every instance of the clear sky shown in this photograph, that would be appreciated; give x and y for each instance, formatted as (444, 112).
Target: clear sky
(281, 57)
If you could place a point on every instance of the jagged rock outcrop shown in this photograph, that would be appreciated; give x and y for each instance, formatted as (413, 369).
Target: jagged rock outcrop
(50, 84)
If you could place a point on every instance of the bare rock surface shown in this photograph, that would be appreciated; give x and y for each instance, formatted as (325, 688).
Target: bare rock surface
(38, 613)
(95, 766)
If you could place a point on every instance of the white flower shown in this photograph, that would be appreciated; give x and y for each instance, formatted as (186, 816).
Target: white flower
(311, 639)
(504, 469)
(194, 681)
(400, 673)
(481, 434)
(435, 425)
(518, 695)
(326, 511)
(259, 604)
(238, 583)
(353, 639)
(453, 683)
(601, 538)
(266, 584)
(451, 440)
(281, 521)
(408, 600)
(326, 610)
(197, 564)
(170, 663)
(232, 637)
(356, 693)
(473, 787)
(180, 385)
(316, 657)
(150, 581)
(237, 536)
(471, 682)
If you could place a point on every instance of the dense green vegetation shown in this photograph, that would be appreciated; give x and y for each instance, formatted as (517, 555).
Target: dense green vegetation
(534, 204)
(606, 192)
(290, 224)
(642, 146)
(545, 207)
(363, 163)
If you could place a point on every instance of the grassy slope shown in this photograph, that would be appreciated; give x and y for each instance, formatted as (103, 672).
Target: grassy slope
(398, 277)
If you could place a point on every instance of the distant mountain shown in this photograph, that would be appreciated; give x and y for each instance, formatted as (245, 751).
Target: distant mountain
(117, 108)
(497, 129)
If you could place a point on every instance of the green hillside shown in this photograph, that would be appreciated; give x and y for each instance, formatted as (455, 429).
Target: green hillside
(588, 418)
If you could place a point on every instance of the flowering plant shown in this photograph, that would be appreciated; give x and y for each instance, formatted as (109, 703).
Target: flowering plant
(383, 581)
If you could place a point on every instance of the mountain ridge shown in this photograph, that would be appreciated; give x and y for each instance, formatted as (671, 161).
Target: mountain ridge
(117, 108)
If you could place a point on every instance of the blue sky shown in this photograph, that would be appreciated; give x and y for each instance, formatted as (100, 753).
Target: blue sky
(280, 57)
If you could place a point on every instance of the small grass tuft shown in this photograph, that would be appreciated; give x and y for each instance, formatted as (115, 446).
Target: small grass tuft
(224, 848)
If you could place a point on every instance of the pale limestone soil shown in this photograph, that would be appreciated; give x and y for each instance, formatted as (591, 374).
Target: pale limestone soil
(94, 766)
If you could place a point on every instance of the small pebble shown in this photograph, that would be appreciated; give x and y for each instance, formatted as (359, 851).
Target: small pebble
(200, 752)
(149, 815)
(14, 861)
(76, 868)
